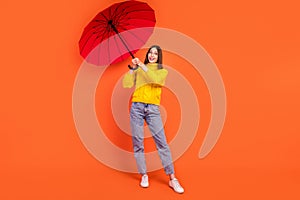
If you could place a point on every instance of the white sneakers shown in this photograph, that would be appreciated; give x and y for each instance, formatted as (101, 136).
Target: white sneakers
(144, 182)
(174, 183)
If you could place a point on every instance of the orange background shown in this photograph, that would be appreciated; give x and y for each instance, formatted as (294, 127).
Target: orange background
(256, 47)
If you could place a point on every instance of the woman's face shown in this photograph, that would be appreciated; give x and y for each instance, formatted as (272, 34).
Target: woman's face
(153, 55)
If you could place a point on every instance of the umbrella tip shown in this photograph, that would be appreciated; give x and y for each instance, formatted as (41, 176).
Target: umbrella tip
(110, 22)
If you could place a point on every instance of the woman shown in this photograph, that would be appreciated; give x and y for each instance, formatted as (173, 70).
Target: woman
(148, 79)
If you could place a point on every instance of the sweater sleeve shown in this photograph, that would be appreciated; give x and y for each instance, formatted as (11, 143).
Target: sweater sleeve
(157, 76)
(128, 80)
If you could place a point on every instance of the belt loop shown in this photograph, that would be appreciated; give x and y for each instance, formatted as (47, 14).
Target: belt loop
(146, 107)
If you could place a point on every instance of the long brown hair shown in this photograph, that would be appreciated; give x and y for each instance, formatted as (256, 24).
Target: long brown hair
(159, 60)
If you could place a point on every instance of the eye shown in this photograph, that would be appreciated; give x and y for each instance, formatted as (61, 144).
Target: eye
(155, 53)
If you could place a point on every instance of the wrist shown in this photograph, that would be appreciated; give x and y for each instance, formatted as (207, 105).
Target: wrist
(144, 67)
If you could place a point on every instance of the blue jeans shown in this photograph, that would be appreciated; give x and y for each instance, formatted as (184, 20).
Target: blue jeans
(151, 114)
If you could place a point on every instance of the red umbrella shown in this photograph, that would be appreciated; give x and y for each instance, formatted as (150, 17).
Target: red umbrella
(117, 32)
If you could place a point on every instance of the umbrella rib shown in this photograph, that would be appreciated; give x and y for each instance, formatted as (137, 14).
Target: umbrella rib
(118, 47)
(108, 47)
(95, 27)
(103, 36)
(100, 20)
(117, 14)
(116, 9)
(94, 43)
(121, 15)
(99, 50)
(109, 14)
(87, 40)
(104, 16)
(126, 23)
(87, 32)
(145, 28)
(134, 35)
(137, 10)
(85, 43)
(139, 19)
(129, 48)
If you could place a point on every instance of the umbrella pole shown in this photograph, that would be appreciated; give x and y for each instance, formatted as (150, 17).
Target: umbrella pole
(117, 32)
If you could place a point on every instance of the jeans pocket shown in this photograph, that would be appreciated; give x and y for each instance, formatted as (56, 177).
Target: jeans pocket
(153, 108)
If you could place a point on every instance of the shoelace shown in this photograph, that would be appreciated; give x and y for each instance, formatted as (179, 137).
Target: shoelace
(145, 179)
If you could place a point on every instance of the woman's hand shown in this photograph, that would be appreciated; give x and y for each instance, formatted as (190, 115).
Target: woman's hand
(136, 61)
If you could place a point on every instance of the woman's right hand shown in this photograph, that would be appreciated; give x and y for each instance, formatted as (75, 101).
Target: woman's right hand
(136, 61)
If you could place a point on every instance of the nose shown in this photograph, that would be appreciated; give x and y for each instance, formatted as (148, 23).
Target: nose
(152, 55)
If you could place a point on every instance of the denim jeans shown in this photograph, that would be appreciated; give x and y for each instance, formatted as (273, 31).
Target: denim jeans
(151, 114)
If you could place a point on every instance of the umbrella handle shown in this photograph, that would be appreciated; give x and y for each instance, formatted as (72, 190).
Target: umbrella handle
(133, 68)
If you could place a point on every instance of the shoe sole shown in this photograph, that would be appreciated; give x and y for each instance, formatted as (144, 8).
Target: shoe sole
(174, 189)
(144, 186)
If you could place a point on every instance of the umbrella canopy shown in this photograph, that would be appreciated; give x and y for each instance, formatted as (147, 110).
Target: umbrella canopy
(117, 32)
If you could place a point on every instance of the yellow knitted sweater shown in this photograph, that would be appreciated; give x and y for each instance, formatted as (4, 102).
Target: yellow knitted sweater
(147, 84)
